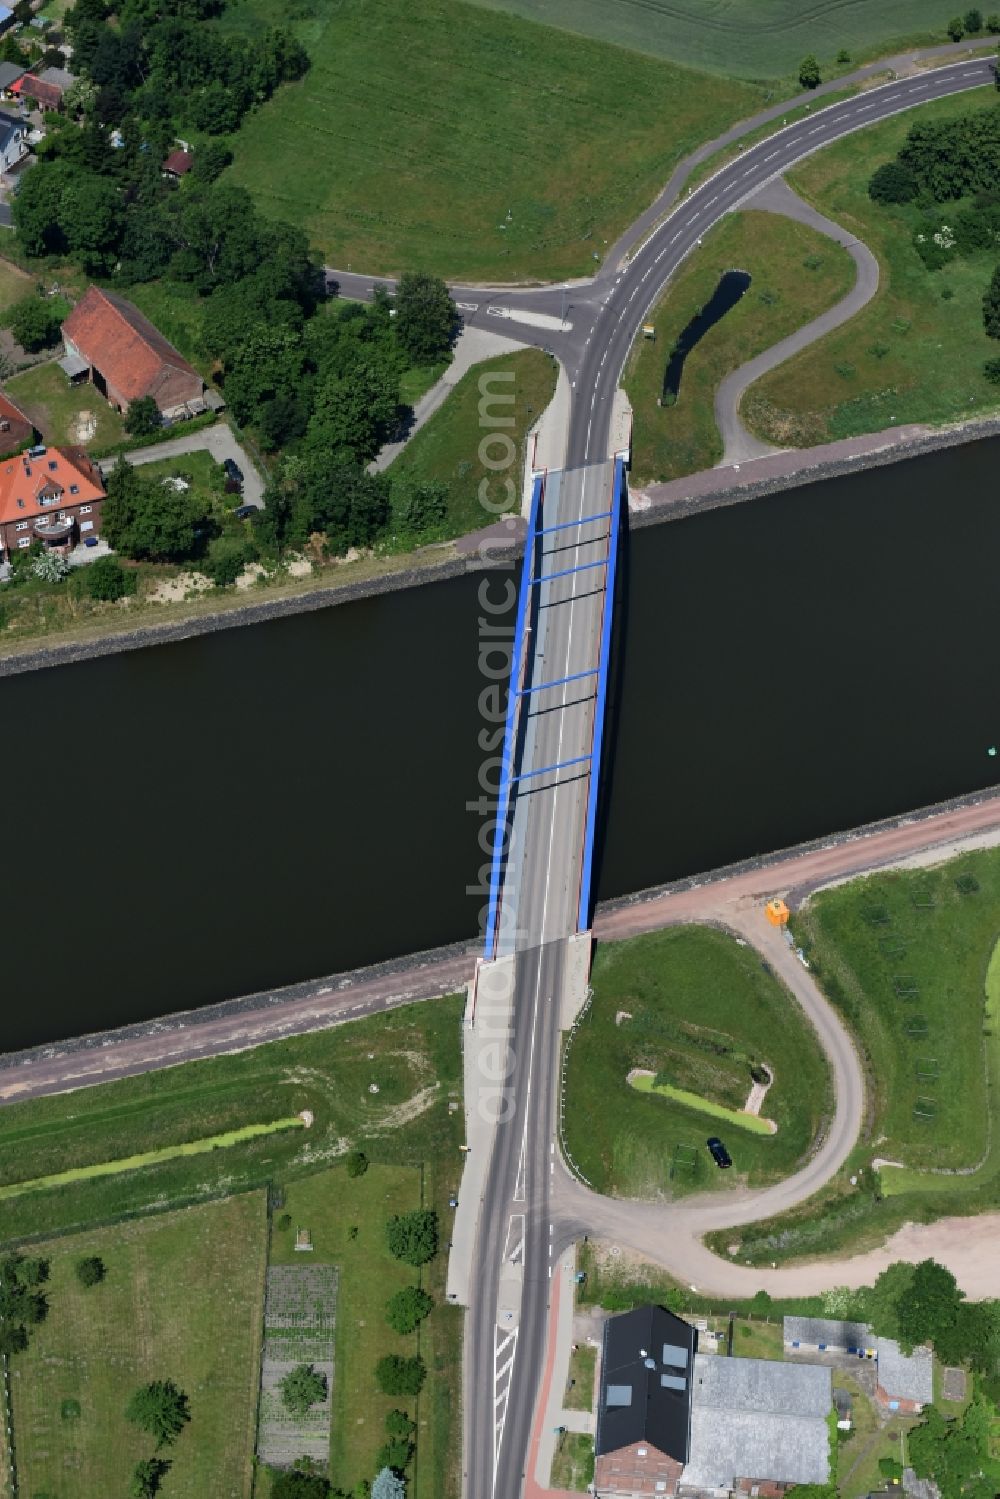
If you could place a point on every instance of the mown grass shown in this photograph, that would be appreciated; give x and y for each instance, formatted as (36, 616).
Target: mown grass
(735, 1117)
(911, 355)
(580, 1384)
(449, 448)
(469, 142)
(797, 274)
(862, 939)
(573, 1462)
(765, 40)
(700, 1008)
(415, 1058)
(56, 407)
(182, 1301)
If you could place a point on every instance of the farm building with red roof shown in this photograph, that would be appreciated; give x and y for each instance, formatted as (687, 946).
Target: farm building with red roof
(126, 357)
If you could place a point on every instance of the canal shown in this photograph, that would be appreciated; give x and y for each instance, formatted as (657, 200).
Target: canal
(195, 821)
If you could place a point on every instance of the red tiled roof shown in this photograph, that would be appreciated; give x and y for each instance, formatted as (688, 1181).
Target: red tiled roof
(178, 162)
(25, 481)
(48, 94)
(131, 354)
(20, 429)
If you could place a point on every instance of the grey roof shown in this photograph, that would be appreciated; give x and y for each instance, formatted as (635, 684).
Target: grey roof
(11, 126)
(905, 1376)
(758, 1419)
(73, 365)
(58, 76)
(646, 1361)
(827, 1330)
(10, 72)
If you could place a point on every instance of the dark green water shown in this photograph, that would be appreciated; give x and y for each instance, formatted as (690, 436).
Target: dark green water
(196, 821)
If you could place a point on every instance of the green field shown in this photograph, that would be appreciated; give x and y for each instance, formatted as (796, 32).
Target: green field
(175, 308)
(447, 449)
(415, 1065)
(705, 1106)
(461, 140)
(797, 274)
(905, 957)
(573, 1462)
(14, 284)
(580, 1386)
(182, 1301)
(64, 413)
(699, 1010)
(873, 372)
(765, 40)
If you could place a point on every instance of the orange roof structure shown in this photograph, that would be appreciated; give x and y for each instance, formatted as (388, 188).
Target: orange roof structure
(131, 354)
(48, 95)
(178, 162)
(16, 427)
(31, 486)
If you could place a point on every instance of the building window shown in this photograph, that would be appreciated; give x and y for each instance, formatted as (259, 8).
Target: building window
(86, 525)
(74, 489)
(84, 509)
(20, 504)
(642, 1452)
(22, 525)
(53, 465)
(25, 541)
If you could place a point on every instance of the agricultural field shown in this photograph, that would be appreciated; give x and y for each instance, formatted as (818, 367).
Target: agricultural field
(181, 1300)
(415, 1065)
(447, 449)
(797, 274)
(466, 141)
(873, 372)
(692, 1007)
(909, 959)
(765, 40)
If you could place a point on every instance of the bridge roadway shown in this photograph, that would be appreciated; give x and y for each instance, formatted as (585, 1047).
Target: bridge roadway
(529, 1212)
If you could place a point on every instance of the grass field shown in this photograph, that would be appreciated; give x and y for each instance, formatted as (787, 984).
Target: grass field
(176, 309)
(415, 1064)
(573, 1462)
(905, 956)
(447, 449)
(735, 1117)
(466, 141)
(797, 274)
(14, 284)
(765, 40)
(582, 1369)
(700, 1008)
(873, 372)
(58, 409)
(182, 1300)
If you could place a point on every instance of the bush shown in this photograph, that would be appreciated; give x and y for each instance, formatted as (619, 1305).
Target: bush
(35, 322)
(302, 1388)
(299, 1482)
(90, 1271)
(395, 1375)
(843, 57)
(147, 1477)
(143, 417)
(284, 1223)
(809, 74)
(973, 20)
(405, 1311)
(993, 23)
(398, 1424)
(892, 183)
(413, 1237)
(991, 369)
(107, 579)
(956, 28)
(357, 1163)
(395, 1454)
(225, 560)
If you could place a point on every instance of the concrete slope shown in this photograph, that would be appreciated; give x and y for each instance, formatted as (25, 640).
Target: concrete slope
(777, 197)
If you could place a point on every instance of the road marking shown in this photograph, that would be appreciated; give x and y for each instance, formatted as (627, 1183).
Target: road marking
(771, 157)
(467, 306)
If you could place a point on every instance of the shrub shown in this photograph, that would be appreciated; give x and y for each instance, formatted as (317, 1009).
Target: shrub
(35, 322)
(413, 1237)
(892, 183)
(90, 1271)
(973, 20)
(143, 417)
(51, 567)
(357, 1163)
(395, 1454)
(993, 23)
(107, 579)
(225, 560)
(398, 1424)
(147, 1477)
(843, 57)
(809, 74)
(395, 1375)
(991, 369)
(302, 1388)
(956, 28)
(284, 1223)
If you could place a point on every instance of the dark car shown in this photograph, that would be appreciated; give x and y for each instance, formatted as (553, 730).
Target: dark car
(233, 470)
(242, 511)
(720, 1155)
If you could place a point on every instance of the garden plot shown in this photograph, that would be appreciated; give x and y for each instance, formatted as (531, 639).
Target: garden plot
(299, 1321)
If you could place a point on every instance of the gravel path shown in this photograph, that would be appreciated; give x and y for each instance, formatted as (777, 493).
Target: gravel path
(777, 197)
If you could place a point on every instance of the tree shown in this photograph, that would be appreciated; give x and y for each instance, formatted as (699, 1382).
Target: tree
(396, 1375)
(956, 28)
(413, 1237)
(388, 1485)
(51, 567)
(146, 521)
(357, 1163)
(302, 1388)
(106, 579)
(13, 1339)
(993, 23)
(147, 1477)
(35, 323)
(892, 183)
(991, 369)
(298, 1483)
(357, 411)
(225, 560)
(973, 20)
(160, 1409)
(809, 73)
(405, 1311)
(91, 1271)
(991, 306)
(143, 417)
(210, 161)
(425, 317)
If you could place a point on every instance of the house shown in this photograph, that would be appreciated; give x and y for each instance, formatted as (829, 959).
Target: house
(13, 141)
(642, 1440)
(825, 1334)
(674, 1421)
(177, 164)
(111, 343)
(47, 88)
(51, 495)
(10, 72)
(16, 430)
(757, 1425)
(905, 1380)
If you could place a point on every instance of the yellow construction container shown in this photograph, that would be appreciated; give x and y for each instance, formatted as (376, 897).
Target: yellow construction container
(776, 912)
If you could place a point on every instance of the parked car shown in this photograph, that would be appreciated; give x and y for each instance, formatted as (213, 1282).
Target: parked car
(720, 1155)
(233, 470)
(242, 511)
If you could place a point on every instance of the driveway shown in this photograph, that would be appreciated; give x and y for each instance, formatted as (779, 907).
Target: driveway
(217, 440)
